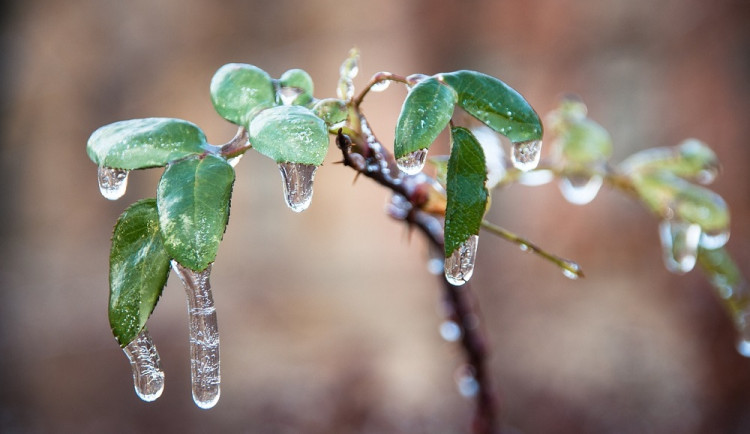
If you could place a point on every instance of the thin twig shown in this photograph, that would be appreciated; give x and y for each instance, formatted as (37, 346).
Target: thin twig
(377, 78)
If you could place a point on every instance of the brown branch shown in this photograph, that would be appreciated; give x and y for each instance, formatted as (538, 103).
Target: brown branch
(368, 157)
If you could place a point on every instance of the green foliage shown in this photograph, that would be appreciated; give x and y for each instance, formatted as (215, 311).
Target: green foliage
(240, 91)
(300, 82)
(143, 143)
(467, 194)
(138, 270)
(426, 111)
(193, 201)
(290, 134)
(496, 104)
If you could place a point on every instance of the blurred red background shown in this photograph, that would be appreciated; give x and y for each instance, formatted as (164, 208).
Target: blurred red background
(329, 319)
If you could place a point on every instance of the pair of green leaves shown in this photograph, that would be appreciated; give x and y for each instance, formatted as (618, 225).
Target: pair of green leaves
(185, 222)
(276, 113)
(428, 109)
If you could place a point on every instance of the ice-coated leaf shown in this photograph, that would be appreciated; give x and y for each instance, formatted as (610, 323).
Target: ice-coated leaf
(691, 159)
(138, 270)
(584, 142)
(467, 193)
(425, 113)
(300, 81)
(290, 134)
(333, 111)
(666, 193)
(142, 143)
(239, 91)
(496, 104)
(724, 275)
(193, 202)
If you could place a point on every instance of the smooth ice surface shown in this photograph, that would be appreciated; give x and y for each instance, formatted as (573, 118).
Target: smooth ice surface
(679, 241)
(298, 184)
(459, 266)
(148, 377)
(525, 155)
(112, 182)
(205, 370)
(714, 240)
(580, 190)
(412, 163)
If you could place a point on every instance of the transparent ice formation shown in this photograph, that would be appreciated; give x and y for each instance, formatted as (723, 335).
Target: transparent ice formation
(525, 155)
(112, 182)
(298, 184)
(459, 266)
(413, 162)
(148, 377)
(679, 241)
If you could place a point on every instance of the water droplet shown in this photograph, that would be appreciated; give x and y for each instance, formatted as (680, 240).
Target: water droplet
(580, 190)
(450, 331)
(459, 266)
(536, 178)
(412, 163)
(743, 347)
(679, 242)
(714, 240)
(435, 266)
(524, 247)
(467, 383)
(112, 182)
(234, 160)
(289, 94)
(380, 86)
(525, 155)
(205, 372)
(148, 377)
(707, 176)
(350, 67)
(572, 271)
(298, 184)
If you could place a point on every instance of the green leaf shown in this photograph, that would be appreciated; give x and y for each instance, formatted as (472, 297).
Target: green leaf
(143, 143)
(193, 202)
(496, 104)
(300, 81)
(290, 134)
(333, 111)
(467, 194)
(240, 91)
(138, 270)
(426, 111)
(691, 159)
(584, 142)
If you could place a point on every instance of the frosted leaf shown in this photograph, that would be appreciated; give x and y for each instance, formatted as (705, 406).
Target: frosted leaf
(148, 377)
(714, 240)
(205, 372)
(413, 162)
(580, 190)
(298, 184)
(459, 266)
(679, 241)
(525, 155)
(112, 182)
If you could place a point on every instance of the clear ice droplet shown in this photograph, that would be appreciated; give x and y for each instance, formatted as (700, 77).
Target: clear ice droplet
(413, 162)
(525, 155)
(572, 271)
(450, 331)
(742, 322)
(298, 184)
(459, 266)
(205, 372)
(435, 266)
(112, 182)
(679, 241)
(380, 86)
(714, 240)
(289, 94)
(466, 381)
(148, 377)
(580, 190)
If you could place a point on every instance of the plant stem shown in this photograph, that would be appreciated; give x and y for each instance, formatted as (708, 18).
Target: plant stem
(377, 78)
(238, 145)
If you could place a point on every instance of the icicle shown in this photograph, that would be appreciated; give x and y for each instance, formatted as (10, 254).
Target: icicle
(679, 242)
(459, 266)
(450, 331)
(148, 377)
(525, 155)
(112, 182)
(412, 163)
(205, 370)
(298, 184)
(580, 190)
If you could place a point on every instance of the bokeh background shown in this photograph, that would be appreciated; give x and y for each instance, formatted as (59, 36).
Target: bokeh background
(329, 319)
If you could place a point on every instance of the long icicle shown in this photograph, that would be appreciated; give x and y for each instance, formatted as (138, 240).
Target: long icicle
(204, 335)
(148, 376)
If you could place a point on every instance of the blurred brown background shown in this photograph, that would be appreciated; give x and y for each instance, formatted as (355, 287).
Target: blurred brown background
(329, 319)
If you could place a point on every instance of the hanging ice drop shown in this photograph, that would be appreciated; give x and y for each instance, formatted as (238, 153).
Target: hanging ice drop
(679, 241)
(714, 239)
(298, 184)
(459, 266)
(112, 182)
(148, 377)
(580, 190)
(380, 86)
(525, 155)
(205, 370)
(412, 163)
